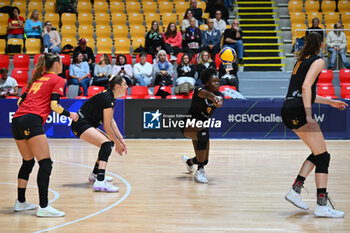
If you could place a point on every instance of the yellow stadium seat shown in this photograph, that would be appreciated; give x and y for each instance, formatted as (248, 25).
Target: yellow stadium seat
(102, 18)
(103, 31)
(68, 19)
(344, 6)
(345, 17)
(5, 3)
(85, 19)
(50, 7)
(295, 6)
(137, 42)
(117, 7)
(86, 31)
(16, 42)
(312, 15)
(100, 7)
(33, 5)
(122, 46)
(69, 40)
(2, 46)
(68, 31)
(137, 31)
(33, 46)
(312, 6)
(297, 18)
(84, 6)
(168, 18)
(203, 27)
(53, 18)
(22, 6)
(135, 19)
(3, 19)
(118, 19)
(205, 15)
(149, 18)
(132, 7)
(347, 33)
(202, 5)
(3, 29)
(165, 7)
(120, 31)
(331, 17)
(298, 34)
(90, 42)
(104, 45)
(328, 6)
(149, 7)
(181, 7)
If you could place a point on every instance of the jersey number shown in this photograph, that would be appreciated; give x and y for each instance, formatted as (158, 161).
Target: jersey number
(35, 87)
(208, 110)
(296, 67)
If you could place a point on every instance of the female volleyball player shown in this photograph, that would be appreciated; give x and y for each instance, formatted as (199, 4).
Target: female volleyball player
(297, 115)
(97, 110)
(44, 91)
(204, 102)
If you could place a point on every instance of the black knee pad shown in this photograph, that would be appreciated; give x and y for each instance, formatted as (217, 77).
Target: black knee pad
(105, 151)
(45, 166)
(203, 138)
(312, 158)
(26, 169)
(322, 162)
(205, 162)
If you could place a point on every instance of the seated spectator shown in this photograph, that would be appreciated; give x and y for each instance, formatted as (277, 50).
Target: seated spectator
(218, 5)
(197, 12)
(185, 71)
(162, 70)
(193, 38)
(336, 43)
(204, 61)
(154, 40)
(173, 41)
(143, 71)
(211, 39)
(315, 26)
(8, 85)
(233, 39)
(33, 26)
(15, 24)
(66, 6)
(79, 72)
(186, 21)
(101, 72)
(228, 74)
(123, 69)
(219, 24)
(228, 4)
(88, 54)
(51, 38)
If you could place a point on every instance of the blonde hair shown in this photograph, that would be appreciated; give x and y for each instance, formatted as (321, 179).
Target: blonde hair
(200, 58)
(32, 15)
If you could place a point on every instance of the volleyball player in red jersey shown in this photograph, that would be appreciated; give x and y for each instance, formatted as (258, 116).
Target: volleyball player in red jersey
(42, 96)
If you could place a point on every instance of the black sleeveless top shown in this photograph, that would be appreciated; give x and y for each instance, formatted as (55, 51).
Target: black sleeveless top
(298, 76)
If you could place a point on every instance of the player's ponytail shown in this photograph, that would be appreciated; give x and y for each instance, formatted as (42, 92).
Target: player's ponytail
(312, 45)
(114, 80)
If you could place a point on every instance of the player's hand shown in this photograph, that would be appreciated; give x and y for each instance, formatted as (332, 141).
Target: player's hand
(339, 104)
(217, 101)
(311, 123)
(125, 149)
(119, 148)
(74, 116)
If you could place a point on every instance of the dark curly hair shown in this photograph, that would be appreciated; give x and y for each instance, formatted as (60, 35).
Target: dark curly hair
(207, 74)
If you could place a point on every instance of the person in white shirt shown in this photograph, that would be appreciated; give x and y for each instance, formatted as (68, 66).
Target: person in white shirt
(336, 42)
(219, 24)
(143, 71)
(186, 21)
(8, 85)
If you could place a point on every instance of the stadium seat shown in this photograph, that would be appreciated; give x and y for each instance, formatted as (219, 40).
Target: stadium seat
(227, 87)
(135, 19)
(217, 61)
(137, 42)
(344, 6)
(3, 18)
(104, 45)
(120, 32)
(12, 97)
(5, 3)
(22, 6)
(3, 29)
(4, 61)
(69, 40)
(68, 19)
(93, 90)
(21, 76)
(90, 42)
(295, 6)
(179, 56)
(150, 17)
(152, 97)
(21, 61)
(118, 19)
(53, 18)
(181, 7)
(132, 7)
(298, 34)
(122, 45)
(84, 6)
(326, 91)
(312, 6)
(344, 76)
(100, 7)
(326, 77)
(86, 31)
(137, 31)
(139, 92)
(97, 58)
(168, 18)
(2, 46)
(149, 58)
(103, 31)
(345, 91)
(35, 5)
(164, 88)
(297, 18)
(68, 30)
(149, 7)
(203, 27)
(102, 19)
(312, 15)
(328, 6)
(345, 17)
(173, 97)
(85, 19)
(331, 17)
(50, 7)
(127, 97)
(117, 7)
(36, 58)
(165, 7)
(16, 42)
(81, 97)
(66, 59)
(202, 5)
(128, 58)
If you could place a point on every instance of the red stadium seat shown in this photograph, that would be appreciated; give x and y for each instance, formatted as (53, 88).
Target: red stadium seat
(21, 61)
(217, 61)
(127, 97)
(97, 58)
(226, 87)
(152, 97)
(148, 58)
(36, 58)
(172, 97)
(139, 92)
(179, 56)
(344, 76)
(23, 89)
(66, 59)
(326, 77)
(21, 76)
(82, 97)
(4, 61)
(12, 97)
(93, 90)
(128, 58)
(345, 91)
(326, 91)
(164, 88)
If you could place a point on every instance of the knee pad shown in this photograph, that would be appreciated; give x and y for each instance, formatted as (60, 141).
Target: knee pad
(45, 166)
(322, 162)
(203, 138)
(205, 162)
(195, 161)
(26, 169)
(312, 158)
(105, 151)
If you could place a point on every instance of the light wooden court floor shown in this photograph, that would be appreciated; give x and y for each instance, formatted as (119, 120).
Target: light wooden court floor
(247, 183)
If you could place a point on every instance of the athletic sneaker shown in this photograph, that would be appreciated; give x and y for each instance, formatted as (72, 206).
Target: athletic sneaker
(93, 177)
(200, 176)
(49, 211)
(295, 198)
(23, 206)
(328, 211)
(190, 169)
(104, 186)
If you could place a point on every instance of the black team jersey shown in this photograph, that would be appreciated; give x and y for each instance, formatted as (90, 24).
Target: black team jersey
(202, 109)
(298, 76)
(92, 110)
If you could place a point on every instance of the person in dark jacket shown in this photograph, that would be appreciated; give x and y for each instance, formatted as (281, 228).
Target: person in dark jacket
(233, 39)
(154, 40)
(211, 39)
(88, 54)
(197, 12)
(193, 38)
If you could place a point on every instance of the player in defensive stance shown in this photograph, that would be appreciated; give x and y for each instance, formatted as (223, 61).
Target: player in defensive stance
(297, 116)
(42, 96)
(96, 111)
(204, 102)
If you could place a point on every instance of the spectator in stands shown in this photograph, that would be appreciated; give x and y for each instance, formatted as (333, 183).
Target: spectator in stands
(228, 74)
(219, 24)
(218, 5)
(79, 72)
(193, 38)
(162, 70)
(15, 24)
(228, 4)
(204, 61)
(51, 38)
(186, 21)
(336, 43)
(173, 41)
(185, 71)
(143, 71)
(101, 72)
(211, 39)
(123, 69)
(88, 54)
(315, 26)
(33, 26)
(8, 85)
(233, 39)
(197, 12)
(154, 40)
(66, 6)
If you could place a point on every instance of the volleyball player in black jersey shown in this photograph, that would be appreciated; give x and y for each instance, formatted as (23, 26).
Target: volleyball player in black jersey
(297, 116)
(96, 111)
(204, 102)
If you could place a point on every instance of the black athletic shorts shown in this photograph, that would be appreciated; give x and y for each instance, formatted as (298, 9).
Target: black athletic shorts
(27, 126)
(80, 126)
(293, 113)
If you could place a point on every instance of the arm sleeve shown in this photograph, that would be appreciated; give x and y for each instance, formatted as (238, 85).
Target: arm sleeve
(178, 39)
(135, 69)
(343, 41)
(71, 70)
(22, 98)
(86, 68)
(28, 27)
(109, 70)
(192, 72)
(56, 107)
(204, 41)
(180, 72)
(218, 39)
(96, 70)
(170, 69)
(92, 56)
(128, 70)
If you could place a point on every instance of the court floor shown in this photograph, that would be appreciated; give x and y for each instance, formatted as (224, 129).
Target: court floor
(247, 183)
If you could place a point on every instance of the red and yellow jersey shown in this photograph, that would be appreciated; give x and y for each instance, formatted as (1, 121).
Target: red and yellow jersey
(39, 94)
